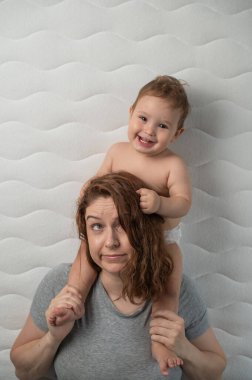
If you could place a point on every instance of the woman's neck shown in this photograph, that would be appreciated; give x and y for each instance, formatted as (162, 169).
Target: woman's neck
(113, 286)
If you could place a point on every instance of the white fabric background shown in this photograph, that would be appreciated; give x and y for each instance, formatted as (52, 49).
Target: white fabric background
(69, 71)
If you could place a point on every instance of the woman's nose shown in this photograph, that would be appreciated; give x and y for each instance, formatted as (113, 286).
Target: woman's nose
(112, 240)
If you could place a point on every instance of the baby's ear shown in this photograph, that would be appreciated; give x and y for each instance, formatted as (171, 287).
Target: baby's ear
(179, 132)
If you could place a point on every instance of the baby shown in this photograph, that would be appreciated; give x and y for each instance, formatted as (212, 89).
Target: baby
(155, 121)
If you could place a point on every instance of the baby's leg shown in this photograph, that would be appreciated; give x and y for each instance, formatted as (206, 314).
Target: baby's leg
(170, 300)
(167, 358)
(81, 277)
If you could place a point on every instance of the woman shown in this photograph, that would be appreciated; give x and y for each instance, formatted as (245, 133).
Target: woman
(112, 339)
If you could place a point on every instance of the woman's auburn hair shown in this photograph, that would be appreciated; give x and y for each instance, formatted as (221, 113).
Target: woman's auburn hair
(145, 276)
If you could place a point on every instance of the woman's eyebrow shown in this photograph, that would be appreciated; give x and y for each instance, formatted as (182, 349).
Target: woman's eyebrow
(92, 216)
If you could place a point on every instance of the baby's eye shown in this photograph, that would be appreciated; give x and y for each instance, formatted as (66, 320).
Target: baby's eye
(143, 118)
(163, 126)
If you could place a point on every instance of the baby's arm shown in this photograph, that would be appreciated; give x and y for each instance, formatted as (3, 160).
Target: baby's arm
(178, 203)
(180, 194)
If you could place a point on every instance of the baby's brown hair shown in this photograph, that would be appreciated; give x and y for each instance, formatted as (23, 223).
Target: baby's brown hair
(167, 88)
(146, 274)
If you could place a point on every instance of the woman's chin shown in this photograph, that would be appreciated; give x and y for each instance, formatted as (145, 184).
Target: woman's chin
(113, 266)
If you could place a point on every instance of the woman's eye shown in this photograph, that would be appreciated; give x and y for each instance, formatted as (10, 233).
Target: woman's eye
(96, 227)
(119, 227)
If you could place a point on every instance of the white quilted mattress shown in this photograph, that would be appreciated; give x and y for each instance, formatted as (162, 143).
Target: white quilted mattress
(69, 71)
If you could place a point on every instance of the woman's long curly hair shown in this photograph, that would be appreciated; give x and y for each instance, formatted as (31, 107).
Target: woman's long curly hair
(145, 276)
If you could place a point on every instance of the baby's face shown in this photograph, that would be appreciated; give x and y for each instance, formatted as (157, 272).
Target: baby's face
(153, 125)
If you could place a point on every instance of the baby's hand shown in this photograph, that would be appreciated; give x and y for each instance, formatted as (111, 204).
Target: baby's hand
(65, 307)
(149, 200)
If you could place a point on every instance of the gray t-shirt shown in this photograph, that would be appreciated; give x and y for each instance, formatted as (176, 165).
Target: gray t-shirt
(107, 345)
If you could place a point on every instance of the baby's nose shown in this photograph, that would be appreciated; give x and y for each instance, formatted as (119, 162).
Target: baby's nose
(150, 129)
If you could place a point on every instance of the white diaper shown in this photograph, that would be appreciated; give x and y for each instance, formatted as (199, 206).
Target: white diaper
(173, 235)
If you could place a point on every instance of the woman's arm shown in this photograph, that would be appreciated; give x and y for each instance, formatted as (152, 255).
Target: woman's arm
(34, 350)
(203, 357)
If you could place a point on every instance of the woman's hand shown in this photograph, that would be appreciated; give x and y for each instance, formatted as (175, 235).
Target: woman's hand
(168, 328)
(65, 308)
(203, 357)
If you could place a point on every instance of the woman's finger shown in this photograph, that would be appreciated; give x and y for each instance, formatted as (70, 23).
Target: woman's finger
(158, 330)
(167, 314)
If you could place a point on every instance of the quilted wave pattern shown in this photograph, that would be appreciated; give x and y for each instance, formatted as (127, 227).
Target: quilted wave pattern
(69, 71)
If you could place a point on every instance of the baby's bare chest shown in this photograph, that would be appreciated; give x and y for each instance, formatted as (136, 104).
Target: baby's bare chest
(154, 173)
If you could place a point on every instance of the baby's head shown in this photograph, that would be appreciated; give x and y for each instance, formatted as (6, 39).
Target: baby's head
(170, 89)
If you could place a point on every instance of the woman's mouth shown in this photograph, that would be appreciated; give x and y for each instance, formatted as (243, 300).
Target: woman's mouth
(114, 257)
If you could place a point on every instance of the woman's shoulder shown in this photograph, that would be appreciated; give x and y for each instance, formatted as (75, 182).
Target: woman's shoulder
(189, 293)
(60, 270)
(187, 283)
(56, 278)
(50, 285)
(192, 308)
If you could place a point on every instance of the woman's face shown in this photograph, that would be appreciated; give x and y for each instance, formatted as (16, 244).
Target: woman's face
(109, 245)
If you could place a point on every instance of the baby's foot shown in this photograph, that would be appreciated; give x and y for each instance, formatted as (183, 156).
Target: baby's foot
(60, 315)
(165, 358)
(173, 360)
